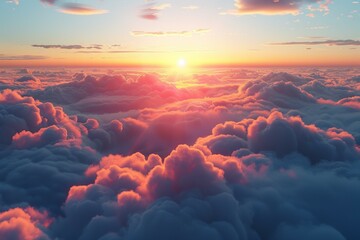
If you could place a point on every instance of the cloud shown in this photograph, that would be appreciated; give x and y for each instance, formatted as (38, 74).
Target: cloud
(4, 57)
(43, 137)
(273, 7)
(351, 102)
(151, 10)
(13, 1)
(335, 93)
(293, 135)
(30, 115)
(94, 46)
(49, 2)
(281, 93)
(124, 51)
(24, 224)
(24, 71)
(70, 7)
(205, 203)
(101, 49)
(137, 51)
(310, 15)
(80, 9)
(323, 7)
(149, 14)
(161, 6)
(27, 79)
(191, 7)
(39, 141)
(169, 33)
(348, 42)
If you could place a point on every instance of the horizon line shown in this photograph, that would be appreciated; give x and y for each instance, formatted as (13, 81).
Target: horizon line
(162, 66)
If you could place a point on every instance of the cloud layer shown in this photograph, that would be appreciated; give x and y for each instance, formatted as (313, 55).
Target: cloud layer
(240, 154)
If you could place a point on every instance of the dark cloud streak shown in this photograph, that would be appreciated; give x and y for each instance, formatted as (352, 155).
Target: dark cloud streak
(69, 47)
(348, 42)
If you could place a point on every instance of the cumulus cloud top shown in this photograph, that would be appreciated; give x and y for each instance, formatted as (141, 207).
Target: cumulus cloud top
(28, 79)
(24, 224)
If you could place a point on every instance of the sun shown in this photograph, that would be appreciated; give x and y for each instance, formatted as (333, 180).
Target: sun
(181, 63)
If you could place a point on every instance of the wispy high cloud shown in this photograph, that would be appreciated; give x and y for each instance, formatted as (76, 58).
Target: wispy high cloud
(169, 33)
(121, 51)
(161, 6)
(191, 7)
(49, 2)
(13, 1)
(17, 2)
(348, 42)
(21, 57)
(69, 7)
(47, 46)
(80, 9)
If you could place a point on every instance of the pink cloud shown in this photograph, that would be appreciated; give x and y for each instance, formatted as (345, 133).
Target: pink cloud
(151, 10)
(80, 9)
(272, 7)
(18, 223)
(44, 136)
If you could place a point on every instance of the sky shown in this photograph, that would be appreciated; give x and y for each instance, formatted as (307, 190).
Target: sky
(159, 33)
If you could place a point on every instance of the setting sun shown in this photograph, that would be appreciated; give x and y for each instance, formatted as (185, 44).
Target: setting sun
(181, 63)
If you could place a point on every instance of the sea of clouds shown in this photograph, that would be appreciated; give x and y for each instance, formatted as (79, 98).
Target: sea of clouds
(257, 154)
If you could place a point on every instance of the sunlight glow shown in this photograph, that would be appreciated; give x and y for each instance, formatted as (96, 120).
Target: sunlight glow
(181, 63)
